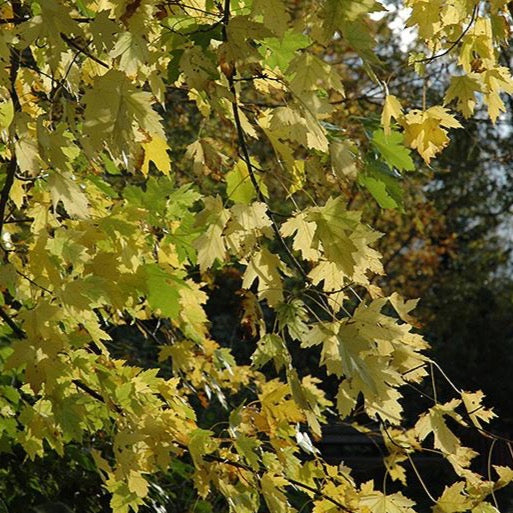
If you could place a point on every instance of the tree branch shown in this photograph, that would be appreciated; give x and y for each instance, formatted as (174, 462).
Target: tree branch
(245, 151)
(95, 395)
(454, 44)
(12, 166)
(82, 50)
(298, 484)
(20, 334)
(21, 220)
(19, 20)
(17, 331)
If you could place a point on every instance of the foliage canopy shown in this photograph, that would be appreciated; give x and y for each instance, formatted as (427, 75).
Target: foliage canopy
(147, 146)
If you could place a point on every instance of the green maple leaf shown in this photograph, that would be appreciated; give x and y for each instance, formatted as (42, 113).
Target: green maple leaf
(383, 184)
(239, 186)
(270, 347)
(392, 150)
(279, 52)
(163, 291)
(273, 13)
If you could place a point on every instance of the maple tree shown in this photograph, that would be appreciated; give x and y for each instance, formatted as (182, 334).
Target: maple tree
(105, 222)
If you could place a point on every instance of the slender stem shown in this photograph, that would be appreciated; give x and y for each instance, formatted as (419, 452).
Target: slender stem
(489, 470)
(442, 372)
(17, 20)
(419, 477)
(22, 220)
(510, 449)
(30, 280)
(433, 382)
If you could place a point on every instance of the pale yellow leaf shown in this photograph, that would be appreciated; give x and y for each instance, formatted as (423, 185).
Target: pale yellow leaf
(392, 109)
(156, 151)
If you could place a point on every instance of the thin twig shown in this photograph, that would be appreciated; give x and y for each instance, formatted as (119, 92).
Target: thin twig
(21, 220)
(95, 395)
(442, 372)
(421, 481)
(19, 20)
(454, 44)
(433, 382)
(17, 331)
(82, 50)
(30, 280)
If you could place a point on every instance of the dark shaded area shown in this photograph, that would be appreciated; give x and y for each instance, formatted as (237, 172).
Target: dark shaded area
(51, 484)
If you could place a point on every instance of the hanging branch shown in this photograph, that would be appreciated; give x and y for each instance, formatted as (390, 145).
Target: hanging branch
(454, 44)
(231, 71)
(298, 484)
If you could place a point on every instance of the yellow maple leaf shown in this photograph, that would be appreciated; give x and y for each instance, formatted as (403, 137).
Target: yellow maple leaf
(463, 90)
(426, 15)
(343, 158)
(484, 507)
(6, 113)
(210, 245)
(192, 314)
(265, 267)
(303, 232)
(453, 499)
(461, 460)
(137, 484)
(425, 130)
(64, 188)
(475, 409)
(378, 502)
(478, 44)
(391, 109)
(496, 81)
(434, 422)
(156, 151)
(505, 475)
